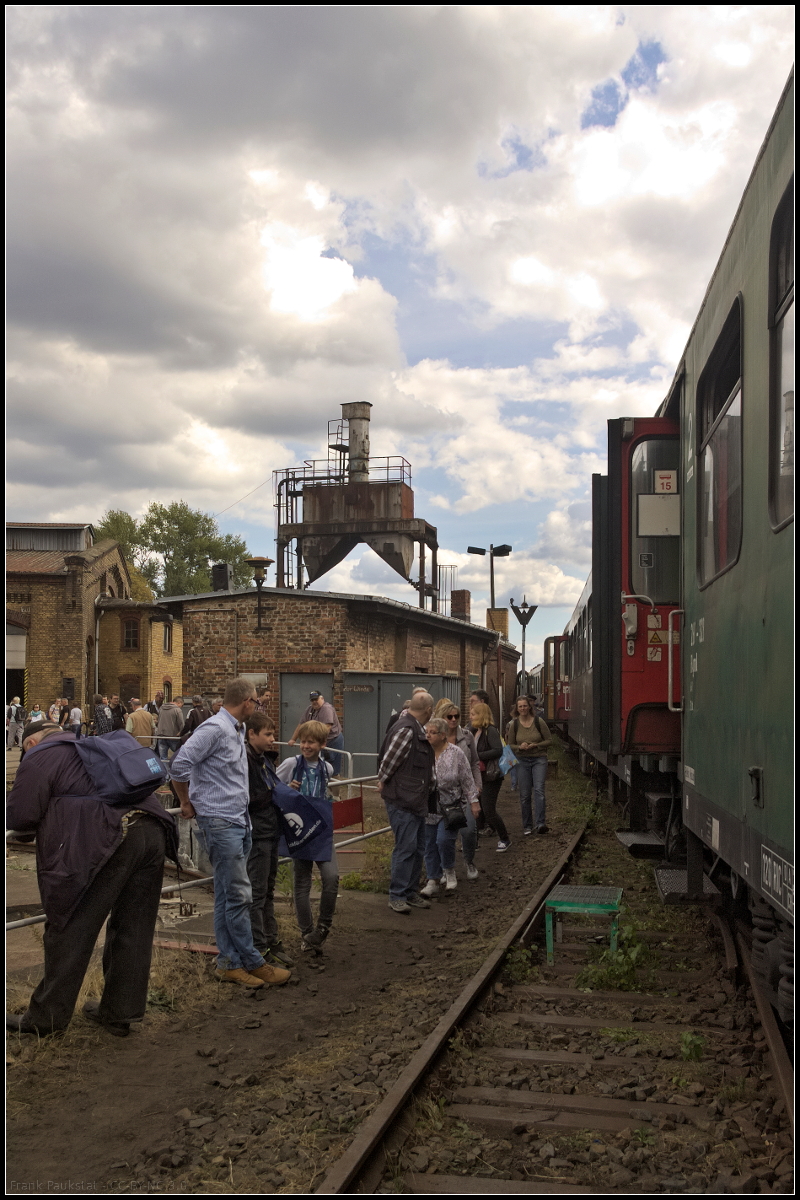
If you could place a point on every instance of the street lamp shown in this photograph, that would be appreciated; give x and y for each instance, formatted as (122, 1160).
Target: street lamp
(523, 613)
(494, 552)
(259, 568)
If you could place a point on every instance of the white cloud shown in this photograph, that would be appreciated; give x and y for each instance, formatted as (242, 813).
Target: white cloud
(175, 176)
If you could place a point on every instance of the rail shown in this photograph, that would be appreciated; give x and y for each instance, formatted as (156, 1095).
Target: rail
(365, 1154)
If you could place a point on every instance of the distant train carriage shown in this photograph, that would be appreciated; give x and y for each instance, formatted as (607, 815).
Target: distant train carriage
(680, 650)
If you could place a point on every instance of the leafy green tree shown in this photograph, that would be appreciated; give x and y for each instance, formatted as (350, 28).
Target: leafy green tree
(174, 546)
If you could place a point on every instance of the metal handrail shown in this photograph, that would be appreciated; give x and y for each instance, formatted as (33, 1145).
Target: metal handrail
(670, 668)
(180, 885)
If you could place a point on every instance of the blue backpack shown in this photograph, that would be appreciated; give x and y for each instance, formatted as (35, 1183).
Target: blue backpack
(123, 771)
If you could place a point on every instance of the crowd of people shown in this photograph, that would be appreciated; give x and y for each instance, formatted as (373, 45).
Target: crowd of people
(439, 781)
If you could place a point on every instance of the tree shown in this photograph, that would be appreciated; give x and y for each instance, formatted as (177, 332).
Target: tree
(174, 546)
(123, 528)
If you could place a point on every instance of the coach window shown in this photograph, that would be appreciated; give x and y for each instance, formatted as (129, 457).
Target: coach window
(655, 520)
(130, 635)
(781, 318)
(719, 426)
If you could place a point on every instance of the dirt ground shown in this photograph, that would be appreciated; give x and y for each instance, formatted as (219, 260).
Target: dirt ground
(221, 1090)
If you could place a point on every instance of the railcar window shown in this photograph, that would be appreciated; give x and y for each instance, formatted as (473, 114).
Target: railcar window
(719, 420)
(655, 520)
(782, 361)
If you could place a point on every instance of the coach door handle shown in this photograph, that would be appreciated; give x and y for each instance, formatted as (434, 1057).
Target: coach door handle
(670, 669)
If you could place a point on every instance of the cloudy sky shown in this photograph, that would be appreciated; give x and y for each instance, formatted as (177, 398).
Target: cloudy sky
(495, 223)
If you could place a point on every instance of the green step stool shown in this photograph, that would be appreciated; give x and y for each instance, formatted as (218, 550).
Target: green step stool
(599, 901)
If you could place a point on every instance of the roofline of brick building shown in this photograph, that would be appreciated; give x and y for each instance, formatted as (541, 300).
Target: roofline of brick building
(394, 608)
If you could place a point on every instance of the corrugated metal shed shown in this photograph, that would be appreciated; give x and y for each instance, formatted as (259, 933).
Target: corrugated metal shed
(48, 535)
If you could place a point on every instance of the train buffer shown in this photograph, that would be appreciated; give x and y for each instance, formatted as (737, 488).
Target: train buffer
(596, 901)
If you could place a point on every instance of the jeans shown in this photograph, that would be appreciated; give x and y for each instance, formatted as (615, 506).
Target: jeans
(303, 868)
(14, 732)
(409, 847)
(163, 747)
(127, 890)
(469, 836)
(262, 869)
(532, 773)
(440, 849)
(329, 753)
(228, 848)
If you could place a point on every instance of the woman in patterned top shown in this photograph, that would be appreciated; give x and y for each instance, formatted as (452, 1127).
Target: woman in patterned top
(456, 787)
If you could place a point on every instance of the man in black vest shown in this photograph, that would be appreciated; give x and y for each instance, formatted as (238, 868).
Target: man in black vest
(405, 776)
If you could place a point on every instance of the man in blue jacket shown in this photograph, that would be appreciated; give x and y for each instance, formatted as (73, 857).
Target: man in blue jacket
(95, 860)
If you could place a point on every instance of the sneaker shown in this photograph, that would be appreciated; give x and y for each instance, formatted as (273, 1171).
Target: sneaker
(503, 846)
(542, 829)
(240, 976)
(416, 901)
(430, 889)
(91, 1009)
(443, 879)
(317, 936)
(452, 882)
(400, 906)
(472, 871)
(278, 956)
(269, 975)
(527, 832)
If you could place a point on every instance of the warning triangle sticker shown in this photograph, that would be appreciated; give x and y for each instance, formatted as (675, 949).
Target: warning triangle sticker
(655, 639)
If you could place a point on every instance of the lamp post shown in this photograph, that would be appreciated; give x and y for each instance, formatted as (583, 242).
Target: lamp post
(259, 569)
(494, 552)
(523, 613)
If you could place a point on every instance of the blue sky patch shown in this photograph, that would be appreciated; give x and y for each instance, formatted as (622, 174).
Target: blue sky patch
(436, 327)
(610, 97)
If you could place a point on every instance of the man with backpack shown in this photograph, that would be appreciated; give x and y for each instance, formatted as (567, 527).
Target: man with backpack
(15, 719)
(100, 847)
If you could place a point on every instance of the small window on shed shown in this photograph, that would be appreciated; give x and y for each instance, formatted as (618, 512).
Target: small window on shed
(781, 321)
(130, 635)
(719, 424)
(167, 637)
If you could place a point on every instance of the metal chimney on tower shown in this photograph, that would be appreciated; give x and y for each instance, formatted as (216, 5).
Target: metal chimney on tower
(357, 417)
(326, 508)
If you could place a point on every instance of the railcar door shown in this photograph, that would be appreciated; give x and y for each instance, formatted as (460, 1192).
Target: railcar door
(645, 520)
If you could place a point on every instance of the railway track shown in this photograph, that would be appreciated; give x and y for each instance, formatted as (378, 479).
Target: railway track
(533, 1084)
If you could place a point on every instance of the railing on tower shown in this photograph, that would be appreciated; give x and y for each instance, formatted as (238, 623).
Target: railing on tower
(288, 483)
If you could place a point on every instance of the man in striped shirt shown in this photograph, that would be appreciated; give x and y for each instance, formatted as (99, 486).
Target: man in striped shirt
(210, 777)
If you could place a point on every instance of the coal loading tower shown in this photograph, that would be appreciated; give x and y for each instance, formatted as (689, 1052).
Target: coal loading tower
(326, 507)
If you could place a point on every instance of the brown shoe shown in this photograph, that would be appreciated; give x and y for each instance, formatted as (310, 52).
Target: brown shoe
(240, 976)
(270, 975)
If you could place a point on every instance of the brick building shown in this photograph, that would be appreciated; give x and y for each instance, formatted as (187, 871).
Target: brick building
(363, 652)
(141, 650)
(59, 584)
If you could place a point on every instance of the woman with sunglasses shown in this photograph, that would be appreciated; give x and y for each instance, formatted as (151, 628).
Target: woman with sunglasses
(457, 735)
